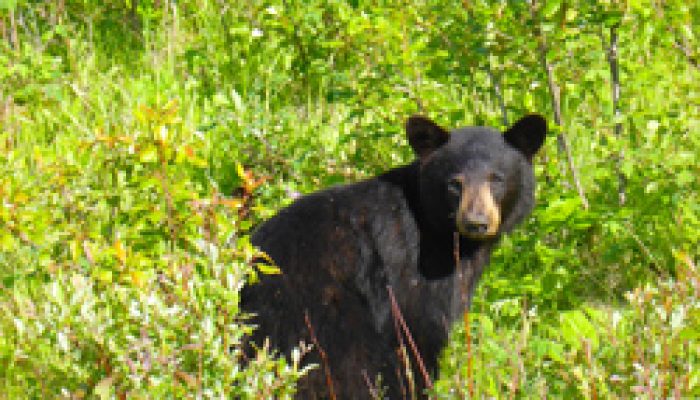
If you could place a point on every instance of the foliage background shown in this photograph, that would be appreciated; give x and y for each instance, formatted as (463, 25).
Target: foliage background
(141, 141)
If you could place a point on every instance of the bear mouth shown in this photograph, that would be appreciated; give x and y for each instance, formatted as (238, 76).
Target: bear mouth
(477, 231)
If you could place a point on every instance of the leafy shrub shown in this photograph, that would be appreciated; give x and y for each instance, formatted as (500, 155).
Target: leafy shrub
(644, 348)
(122, 272)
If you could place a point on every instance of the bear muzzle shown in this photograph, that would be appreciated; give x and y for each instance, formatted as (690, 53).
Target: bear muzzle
(478, 215)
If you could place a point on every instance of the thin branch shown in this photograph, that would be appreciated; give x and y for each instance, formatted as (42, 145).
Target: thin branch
(396, 311)
(372, 389)
(402, 356)
(14, 37)
(687, 53)
(408, 390)
(685, 49)
(324, 356)
(615, 77)
(615, 74)
(562, 141)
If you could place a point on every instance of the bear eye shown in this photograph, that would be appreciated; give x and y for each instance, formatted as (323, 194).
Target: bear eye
(496, 177)
(454, 186)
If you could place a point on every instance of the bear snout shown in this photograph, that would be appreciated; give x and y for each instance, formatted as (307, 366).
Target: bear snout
(476, 225)
(478, 215)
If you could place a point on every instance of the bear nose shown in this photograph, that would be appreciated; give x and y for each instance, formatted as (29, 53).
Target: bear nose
(476, 224)
(476, 228)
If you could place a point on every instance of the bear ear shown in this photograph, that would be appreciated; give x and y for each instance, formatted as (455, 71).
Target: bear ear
(424, 135)
(527, 135)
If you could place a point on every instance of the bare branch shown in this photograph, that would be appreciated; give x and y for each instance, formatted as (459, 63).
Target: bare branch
(324, 356)
(685, 48)
(615, 78)
(396, 311)
(372, 389)
(562, 140)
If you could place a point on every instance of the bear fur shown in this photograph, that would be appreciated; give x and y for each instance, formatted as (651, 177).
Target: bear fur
(339, 250)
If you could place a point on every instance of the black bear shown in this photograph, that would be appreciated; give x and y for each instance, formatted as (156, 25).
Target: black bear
(340, 250)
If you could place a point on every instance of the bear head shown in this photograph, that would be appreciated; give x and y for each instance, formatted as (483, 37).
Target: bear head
(474, 180)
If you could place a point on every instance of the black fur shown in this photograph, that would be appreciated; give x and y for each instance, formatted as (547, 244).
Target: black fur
(340, 248)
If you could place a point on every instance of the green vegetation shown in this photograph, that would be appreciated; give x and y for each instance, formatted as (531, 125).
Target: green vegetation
(140, 142)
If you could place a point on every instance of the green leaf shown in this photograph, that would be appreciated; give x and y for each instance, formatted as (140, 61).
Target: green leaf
(551, 7)
(613, 18)
(575, 326)
(548, 349)
(685, 177)
(149, 155)
(268, 269)
(103, 275)
(561, 209)
(8, 4)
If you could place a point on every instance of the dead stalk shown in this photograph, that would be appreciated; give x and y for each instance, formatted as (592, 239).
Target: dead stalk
(401, 355)
(372, 389)
(615, 78)
(589, 359)
(322, 353)
(396, 312)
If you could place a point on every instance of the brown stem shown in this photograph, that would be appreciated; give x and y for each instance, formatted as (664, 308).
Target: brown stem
(686, 49)
(615, 77)
(324, 356)
(396, 311)
(589, 360)
(402, 356)
(14, 37)
(372, 389)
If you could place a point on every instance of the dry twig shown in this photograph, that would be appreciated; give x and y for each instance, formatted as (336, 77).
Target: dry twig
(324, 356)
(396, 312)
